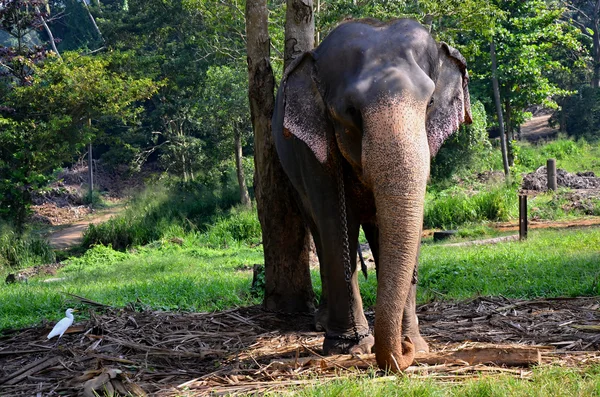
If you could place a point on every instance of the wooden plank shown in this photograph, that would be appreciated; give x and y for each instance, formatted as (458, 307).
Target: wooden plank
(501, 356)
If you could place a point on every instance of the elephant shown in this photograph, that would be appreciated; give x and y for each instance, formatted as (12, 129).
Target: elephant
(355, 124)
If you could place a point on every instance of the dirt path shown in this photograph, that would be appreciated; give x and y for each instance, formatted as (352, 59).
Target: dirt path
(72, 235)
(537, 128)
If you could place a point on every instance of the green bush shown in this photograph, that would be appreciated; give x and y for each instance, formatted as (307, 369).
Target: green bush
(455, 207)
(152, 214)
(22, 251)
(572, 156)
(240, 226)
(468, 148)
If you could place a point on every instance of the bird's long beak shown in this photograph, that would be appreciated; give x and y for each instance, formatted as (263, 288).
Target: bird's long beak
(73, 311)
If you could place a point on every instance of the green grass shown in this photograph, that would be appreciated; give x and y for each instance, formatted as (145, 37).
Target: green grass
(570, 155)
(454, 207)
(545, 382)
(164, 205)
(17, 252)
(168, 276)
(163, 276)
(550, 263)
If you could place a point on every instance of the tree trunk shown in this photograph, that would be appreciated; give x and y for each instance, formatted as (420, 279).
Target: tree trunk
(563, 116)
(49, 33)
(87, 8)
(299, 29)
(496, 89)
(288, 285)
(90, 174)
(510, 134)
(244, 196)
(318, 32)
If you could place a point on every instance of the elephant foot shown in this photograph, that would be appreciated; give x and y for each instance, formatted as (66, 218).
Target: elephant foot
(419, 343)
(343, 345)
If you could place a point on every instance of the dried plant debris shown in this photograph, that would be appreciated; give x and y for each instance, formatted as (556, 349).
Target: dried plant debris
(247, 350)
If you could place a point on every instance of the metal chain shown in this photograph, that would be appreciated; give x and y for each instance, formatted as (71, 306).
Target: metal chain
(346, 244)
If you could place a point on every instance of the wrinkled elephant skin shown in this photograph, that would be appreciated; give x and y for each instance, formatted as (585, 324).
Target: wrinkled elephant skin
(355, 125)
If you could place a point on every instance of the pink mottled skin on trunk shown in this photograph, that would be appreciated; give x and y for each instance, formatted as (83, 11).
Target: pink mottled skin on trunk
(395, 159)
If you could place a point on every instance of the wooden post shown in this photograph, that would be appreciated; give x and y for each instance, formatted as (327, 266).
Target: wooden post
(522, 217)
(551, 168)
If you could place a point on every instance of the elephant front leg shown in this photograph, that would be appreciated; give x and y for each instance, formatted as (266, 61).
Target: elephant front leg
(410, 322)
(347, 330)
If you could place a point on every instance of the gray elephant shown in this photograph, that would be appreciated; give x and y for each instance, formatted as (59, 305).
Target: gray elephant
(355, 125)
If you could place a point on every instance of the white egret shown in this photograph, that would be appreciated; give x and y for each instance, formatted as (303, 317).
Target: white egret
(61, 326)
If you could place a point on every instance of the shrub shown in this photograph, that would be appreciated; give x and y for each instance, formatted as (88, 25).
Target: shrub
(23, 251)
(454, 207)
(240, 226)
(465, 149)
(161, 206)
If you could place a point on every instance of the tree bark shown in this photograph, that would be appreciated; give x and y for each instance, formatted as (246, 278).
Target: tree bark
(510, 134)
(496, 89)
(49, 33)
(288, 284)
(299, 29)
(244, 196)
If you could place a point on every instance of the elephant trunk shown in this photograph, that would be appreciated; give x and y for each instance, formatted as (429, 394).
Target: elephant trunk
(396, 165)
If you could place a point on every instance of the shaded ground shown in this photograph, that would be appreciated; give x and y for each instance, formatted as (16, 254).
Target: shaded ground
(244, 350)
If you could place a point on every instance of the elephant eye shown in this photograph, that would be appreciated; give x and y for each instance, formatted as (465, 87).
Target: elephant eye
(430, 102)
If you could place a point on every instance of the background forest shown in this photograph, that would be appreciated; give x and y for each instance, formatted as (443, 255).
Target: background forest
(156, 93)
(165, 82)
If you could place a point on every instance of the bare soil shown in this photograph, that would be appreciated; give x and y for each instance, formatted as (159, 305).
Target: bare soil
(249, 350)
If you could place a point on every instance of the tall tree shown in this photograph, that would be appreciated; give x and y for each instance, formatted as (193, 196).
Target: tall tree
(225, 119)
(585, 15)
(529, 40)
(285, 238)
(45, 122)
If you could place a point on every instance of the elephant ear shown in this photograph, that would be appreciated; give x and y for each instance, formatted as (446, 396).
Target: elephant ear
(304, 111)
(451, 104)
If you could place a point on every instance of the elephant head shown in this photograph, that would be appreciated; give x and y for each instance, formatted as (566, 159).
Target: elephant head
(385, 96)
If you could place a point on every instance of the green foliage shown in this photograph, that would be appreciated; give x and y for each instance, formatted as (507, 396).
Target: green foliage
(572, 156)
(531, 43)
(582, 113)
(468, 148)
(453, 207)
(46, 122)
(19, 251)
(238, 226)
(164, 276)
(190, 206)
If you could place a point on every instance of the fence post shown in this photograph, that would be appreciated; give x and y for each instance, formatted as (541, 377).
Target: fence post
(551, 168)
(522, 216)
